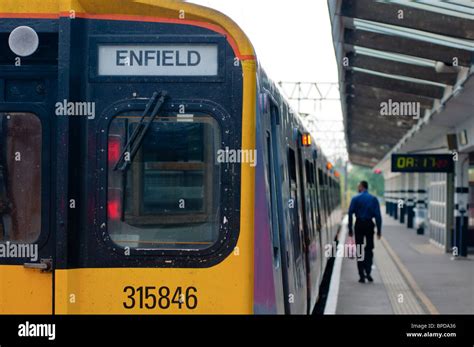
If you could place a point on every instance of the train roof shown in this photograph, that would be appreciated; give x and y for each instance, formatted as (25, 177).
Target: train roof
(273, 88)
(171, 11)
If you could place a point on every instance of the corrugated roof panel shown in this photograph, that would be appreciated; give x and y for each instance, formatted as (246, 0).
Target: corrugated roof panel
(388, 29)
(399, 77)
(461, 9)
(395, 57)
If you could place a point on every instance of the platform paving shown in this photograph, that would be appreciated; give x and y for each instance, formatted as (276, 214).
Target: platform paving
(411, 276)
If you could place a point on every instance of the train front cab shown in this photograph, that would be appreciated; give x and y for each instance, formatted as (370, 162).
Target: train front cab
(163, 232)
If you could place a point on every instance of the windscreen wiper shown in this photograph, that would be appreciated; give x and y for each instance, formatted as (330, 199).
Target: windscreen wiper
(136, 139)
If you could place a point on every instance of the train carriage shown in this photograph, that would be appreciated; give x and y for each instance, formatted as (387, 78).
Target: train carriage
(153, 165)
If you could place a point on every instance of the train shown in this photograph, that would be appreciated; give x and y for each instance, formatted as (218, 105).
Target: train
(149, 165)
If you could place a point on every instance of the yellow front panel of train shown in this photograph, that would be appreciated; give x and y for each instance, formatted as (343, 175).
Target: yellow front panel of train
(225, 288)
(25, 291)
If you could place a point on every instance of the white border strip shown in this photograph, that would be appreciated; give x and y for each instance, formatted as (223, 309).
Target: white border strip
(333, 294)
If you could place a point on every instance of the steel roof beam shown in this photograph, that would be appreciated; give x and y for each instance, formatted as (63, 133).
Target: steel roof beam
(367, 151)
(401, 45)
(361, 160)
(402, 69)
(361, 78)
(369, 115)
(357, 110)
(373, 103)
(360, 133)
(412, 18)
(374, 96)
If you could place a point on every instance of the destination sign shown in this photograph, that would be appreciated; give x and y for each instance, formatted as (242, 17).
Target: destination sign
(159, 60)
(422, 163)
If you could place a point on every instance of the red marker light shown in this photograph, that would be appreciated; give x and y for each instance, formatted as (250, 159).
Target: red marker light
(377, 171)
(113, 208)
(114, 149)
(114, 204)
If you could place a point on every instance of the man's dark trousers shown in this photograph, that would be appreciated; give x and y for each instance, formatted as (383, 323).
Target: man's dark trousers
(365, 229)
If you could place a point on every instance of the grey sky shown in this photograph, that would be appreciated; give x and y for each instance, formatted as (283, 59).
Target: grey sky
(292, 39)
(293, 42)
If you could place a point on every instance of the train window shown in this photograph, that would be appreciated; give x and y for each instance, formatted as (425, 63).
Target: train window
(273, 203)
(320, 177)
(294, 208)
(169, 196)
(292, 165)
(20, 177)
(323, 189)
(331, 193)
(310, 191)
(309, 174)
(317, 197)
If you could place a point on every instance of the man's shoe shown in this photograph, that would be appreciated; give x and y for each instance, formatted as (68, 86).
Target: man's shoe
(369, 278)
(362, 280)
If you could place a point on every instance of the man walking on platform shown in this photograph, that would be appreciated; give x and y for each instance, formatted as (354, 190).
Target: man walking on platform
(366, 208)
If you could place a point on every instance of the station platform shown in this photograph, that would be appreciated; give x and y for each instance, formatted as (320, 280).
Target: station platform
(411, 276)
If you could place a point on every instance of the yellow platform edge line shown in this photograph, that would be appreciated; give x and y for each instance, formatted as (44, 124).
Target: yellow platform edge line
(409, 278)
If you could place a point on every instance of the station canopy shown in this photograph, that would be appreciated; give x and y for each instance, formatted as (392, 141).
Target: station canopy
(416, 52)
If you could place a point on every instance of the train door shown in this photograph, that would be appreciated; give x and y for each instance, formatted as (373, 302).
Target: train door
(26, 240)
(313, 245)
(307, 227)
(318, 217)
(317, 221)
(331, 207)
(277, 219)
(297, 227)
(322, 213)
(327, 205)
(304, 222)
